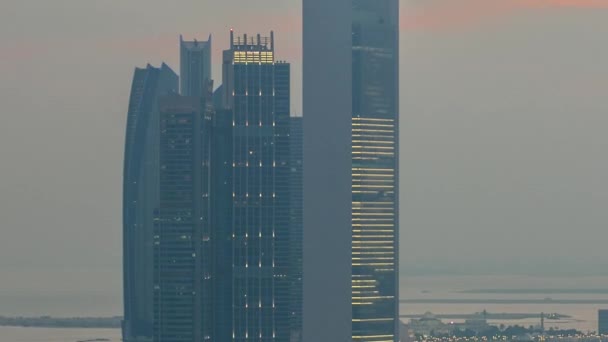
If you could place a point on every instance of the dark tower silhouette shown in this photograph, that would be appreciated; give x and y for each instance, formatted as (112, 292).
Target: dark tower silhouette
(182, 230)
(195, 66)
(219, 257)
(327, 102)
(141, 196)
(296, 224)
(542, 322)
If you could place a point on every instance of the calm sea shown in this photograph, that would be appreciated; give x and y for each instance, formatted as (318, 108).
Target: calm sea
(14, 334)
(103, 302)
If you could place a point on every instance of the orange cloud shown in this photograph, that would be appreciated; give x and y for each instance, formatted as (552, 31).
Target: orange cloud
(450, 14)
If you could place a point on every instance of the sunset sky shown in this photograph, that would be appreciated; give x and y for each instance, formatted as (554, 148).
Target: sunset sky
(503, 111)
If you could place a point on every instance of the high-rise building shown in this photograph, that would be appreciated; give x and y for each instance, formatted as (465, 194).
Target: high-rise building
(602, 321)
(256, 94)
(296, 161)
(141, 196)
(375, 165)
(195, 66)
(327, 55)
(183, 252)
(221, 204)
(350, 97)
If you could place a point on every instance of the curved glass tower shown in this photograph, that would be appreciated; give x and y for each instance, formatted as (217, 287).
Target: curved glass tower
(375, 137)
(141, 196)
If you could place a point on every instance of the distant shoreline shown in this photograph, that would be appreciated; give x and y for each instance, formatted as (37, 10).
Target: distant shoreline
(491, 316)
(59, 322)
(504, 301)
(536, 291)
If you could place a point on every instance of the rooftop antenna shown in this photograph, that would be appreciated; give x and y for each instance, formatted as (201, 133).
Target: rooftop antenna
(272, 40)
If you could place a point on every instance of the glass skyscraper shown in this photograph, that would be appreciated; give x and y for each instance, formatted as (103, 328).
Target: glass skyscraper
(141, 196)
(182, 237)
(213, 201)
(375, 187)
(351, 183)
(195, 66)
(296, 214)
(256, 94)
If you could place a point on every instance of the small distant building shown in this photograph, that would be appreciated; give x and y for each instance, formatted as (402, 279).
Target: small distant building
(429, 325)
(477, 325)
(602, 321)
(524, 338)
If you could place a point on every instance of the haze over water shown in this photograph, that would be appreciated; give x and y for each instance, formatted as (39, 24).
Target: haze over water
(108, 302)
(583, 315)
(16, 334)
(503, 143)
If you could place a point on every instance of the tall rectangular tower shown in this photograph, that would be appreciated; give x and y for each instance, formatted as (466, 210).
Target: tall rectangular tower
(350, 98)
(182, 232)
(375, 170)
(327, 93)
(195, 66)
(296, 141)
(256, 92)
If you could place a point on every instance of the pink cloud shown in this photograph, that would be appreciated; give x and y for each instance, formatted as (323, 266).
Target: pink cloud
(439, 15)
(449, 14)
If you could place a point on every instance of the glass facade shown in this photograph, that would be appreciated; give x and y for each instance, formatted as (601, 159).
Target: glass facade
(141, 196)
(296, 215)
(375, 171)
(195, 66)
(221, 251)
(182, 234)
(256, 92)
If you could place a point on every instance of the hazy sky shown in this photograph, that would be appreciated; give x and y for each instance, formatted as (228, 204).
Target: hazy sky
(504, 117)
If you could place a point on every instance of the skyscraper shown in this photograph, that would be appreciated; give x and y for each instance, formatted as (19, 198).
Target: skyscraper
(256, 94)
(296, 161)
(213, 202)
(327, 93)
(141, 196)
(357, 52)
(195, 66)
(183, 258)
(212, 239)
(375, 164)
